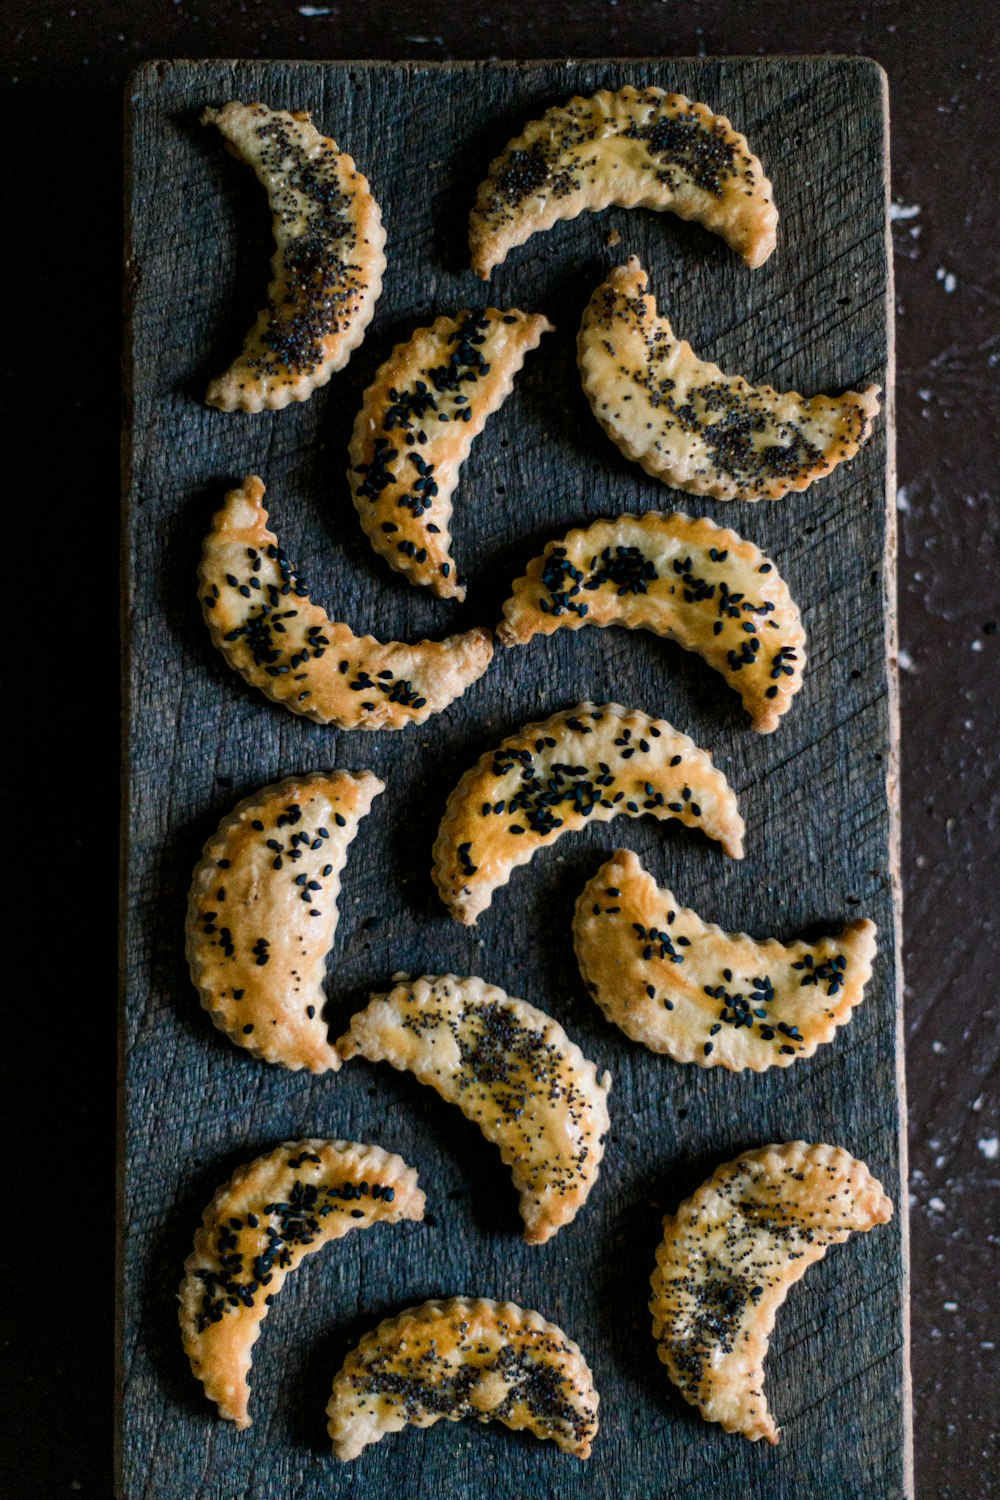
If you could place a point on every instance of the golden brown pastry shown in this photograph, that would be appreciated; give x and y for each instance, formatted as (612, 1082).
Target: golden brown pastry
(259, 613)
(683, 986)
(327, 265)
(728, 1257)
(706, 588)
(262, 913)
(427, 403)
(638, 148)
(694, 427)
(512, 1070)
(464, 1357)
(589, 763)
(257, 1228)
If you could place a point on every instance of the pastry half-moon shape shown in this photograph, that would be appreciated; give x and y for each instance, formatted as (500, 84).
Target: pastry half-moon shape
(512, 1070)
(694, 427)
(327, 265)
(728, 1257)
(706, 588)
(259, 613)
(587, 764)
(427, 403)
(683, 986)
(257, 1228)
(464, 1357)
(262, 913)
(638, 148)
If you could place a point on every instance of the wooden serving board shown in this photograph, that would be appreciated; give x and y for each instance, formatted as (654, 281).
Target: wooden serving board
(818, 796)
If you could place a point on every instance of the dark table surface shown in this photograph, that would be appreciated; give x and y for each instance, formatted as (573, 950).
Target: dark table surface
(67, 67)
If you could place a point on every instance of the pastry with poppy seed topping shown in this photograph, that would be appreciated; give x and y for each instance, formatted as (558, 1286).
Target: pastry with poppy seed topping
(512, 1070)
(257, 1228)
(464, 1357)
(328, 262)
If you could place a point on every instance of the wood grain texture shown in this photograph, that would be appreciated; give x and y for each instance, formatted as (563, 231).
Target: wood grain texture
(815, 795)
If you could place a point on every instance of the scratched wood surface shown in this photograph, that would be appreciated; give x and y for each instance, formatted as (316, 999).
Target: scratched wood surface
(817, 795)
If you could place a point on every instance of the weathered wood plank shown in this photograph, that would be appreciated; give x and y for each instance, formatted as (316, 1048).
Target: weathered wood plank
(820, 842)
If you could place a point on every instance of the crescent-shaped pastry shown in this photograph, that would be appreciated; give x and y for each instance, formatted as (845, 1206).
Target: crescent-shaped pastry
(327, 265)
(259, 613)
(694, 427)
(683, 986)
(637, 148)
(706, 588)
(728, 1257)
(512, 1070)
(587, 764)
(262, 913)
(257, 1228)
(426, 404)
(464, 1357)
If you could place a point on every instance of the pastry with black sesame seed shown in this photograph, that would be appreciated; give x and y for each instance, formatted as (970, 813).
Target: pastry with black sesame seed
(464, 1357)
(728, 1258)
(512, 1070)
(426, 404)
(327, 265)
(682, 986)
(691, 425)
(257, 1228)
(587, 764)
(636, 148)
(259, 614)
(262, 913)
(708, 589)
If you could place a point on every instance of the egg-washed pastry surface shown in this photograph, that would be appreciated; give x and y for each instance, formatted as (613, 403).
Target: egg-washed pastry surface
(257, 1228)
(464, 1357)
(706, 588)
(691, 425)
(637, 148)
(259, 613)
(728, 1257)
(427, 403)
(512, 1070)
(262, 913)
(682, 986)
(587, 764)
(327, 265)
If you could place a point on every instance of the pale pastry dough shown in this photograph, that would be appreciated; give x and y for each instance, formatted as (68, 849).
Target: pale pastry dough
(728, 1257)
(638, 148)
(327, 265)
(512, 1070)
(262, 913)
(259, 613)
(683, 986)
(464, 1357)
(706, 588)
(427, 403)
(257, 1228)
(589, 763)
(694, 427)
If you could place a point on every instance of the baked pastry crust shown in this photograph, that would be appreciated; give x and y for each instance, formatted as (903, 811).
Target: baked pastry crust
(259, 613)
(426, 404)
(719, 999)
(638, 148)
(588, 763)
(512, 1070)
(706, 588)
(464, 1357)
(327, 266)
(259, 1225)
(691, 425)
(728, 1257)
(262, 913)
